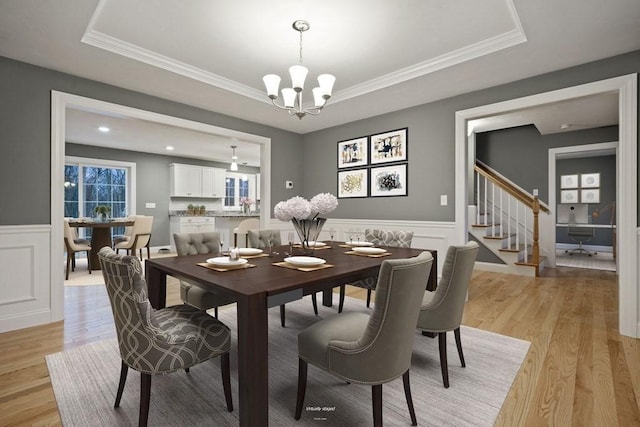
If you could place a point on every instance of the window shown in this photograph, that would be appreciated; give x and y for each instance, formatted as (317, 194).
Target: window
(238, 186)
(93, 182)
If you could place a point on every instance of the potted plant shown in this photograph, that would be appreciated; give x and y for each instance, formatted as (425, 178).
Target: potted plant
(190, 209)
(102, 212)
(203, 210)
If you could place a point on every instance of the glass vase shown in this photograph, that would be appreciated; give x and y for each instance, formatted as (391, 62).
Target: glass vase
(308, 231)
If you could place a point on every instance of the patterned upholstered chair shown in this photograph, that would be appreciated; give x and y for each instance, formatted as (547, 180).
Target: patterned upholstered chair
(442, 309)
(73, 244)
(192, 293)
(265, 238)
(355, 346)
(158, 341)
(398, 239)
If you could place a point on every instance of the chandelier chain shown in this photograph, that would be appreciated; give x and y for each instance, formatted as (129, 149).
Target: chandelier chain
(300, 60)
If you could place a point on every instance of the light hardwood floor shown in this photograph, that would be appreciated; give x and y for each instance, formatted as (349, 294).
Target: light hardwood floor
(579, 370)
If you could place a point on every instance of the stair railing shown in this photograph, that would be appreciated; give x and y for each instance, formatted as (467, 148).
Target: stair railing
(521, 208)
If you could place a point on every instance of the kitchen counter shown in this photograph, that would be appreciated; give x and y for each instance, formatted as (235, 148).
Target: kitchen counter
(217, 214)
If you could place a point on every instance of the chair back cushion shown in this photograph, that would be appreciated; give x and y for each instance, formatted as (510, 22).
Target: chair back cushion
(197, 243)
(384, 350)
(443, 310)
(71, 241)
(260, 238)
(398, 239)
(247, 224)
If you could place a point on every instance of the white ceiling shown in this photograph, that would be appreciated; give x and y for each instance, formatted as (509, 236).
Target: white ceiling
(386, 55)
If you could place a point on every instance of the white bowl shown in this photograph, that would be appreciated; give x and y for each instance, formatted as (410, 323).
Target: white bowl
(369, 251)
(359, 243)
(225, 261)
(304, 261)
(249, 251)
(313, 244)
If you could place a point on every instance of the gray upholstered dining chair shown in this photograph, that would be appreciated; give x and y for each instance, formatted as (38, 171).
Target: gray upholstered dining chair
(370, 349)
(192, 293)
(73, 244)
(398, 239)
(158, 341)
(267, 238)
(442, 309)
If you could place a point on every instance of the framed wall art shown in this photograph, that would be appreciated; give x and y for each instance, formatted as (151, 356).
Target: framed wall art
(569, 181)
(353, 152)
(389, 181)
(389, 146)
(590, 180)
(569, 196)
(353, 183)
(591, 195)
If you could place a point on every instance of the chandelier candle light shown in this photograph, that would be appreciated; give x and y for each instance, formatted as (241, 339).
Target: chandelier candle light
(305, 215)
(293, 96)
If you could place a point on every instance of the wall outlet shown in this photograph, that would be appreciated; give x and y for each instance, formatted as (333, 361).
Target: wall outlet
(443, 200)
(149, 205)
(288, 184)
(535, 191)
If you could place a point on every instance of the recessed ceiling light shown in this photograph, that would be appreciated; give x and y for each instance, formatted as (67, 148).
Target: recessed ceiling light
(169, 147)
(565, 125)
(104, 129)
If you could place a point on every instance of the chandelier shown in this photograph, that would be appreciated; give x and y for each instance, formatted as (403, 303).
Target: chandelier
(292, 97)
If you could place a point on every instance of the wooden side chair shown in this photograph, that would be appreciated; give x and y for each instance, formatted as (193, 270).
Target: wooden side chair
(140, 238)
(72, 245)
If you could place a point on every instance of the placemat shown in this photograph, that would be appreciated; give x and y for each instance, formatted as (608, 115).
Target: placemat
(216, 268)
(369, 255)
(254, 256)
(295, 267)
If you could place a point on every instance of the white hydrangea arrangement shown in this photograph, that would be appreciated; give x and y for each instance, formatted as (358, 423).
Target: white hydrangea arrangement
(300, 208)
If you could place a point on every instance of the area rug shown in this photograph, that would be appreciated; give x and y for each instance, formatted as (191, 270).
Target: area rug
(85, 380)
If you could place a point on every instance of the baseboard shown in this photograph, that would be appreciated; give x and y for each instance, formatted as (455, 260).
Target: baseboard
(592, 248)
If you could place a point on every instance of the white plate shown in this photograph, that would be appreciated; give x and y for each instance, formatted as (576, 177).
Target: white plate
(224, 261)
(369, 251)
(304, 261)
(249, 251)
(360, 244)
(313, 244)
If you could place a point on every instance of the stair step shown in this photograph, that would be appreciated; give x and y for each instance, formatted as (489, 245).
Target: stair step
(513, 248)
(504, 236)
(530, 262)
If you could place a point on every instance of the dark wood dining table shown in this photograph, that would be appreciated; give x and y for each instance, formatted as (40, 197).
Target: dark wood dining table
(100, 235)
(258, 288)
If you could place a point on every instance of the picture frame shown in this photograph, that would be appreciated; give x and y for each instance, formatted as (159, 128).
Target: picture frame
(569, 181)
(591, 195)
(590, 180)
(353, 152)
(353, 183)
(389, 146)
(569, 196)
(389, 181)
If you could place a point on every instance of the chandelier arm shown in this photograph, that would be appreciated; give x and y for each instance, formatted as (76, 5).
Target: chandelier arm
(273, 101)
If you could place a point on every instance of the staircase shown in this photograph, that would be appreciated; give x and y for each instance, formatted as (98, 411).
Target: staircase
(505, 221)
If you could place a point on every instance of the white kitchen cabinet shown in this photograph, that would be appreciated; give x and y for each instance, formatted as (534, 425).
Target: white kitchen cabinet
(186, 180)
(190, 224)
(196, 181)
(213, 182)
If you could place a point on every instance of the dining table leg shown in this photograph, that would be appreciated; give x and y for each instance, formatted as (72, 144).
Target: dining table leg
(156, 286)
(253, 360)
(100, 237)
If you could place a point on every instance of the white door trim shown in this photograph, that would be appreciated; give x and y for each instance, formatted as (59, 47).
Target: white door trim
(627, 203)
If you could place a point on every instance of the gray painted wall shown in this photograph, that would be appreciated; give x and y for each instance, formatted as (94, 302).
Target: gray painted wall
(25, 136)
(606, 166)
(522, 154)
(309, 160)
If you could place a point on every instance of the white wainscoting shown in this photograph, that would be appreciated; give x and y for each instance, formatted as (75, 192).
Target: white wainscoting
(25, 282)
(438, 235)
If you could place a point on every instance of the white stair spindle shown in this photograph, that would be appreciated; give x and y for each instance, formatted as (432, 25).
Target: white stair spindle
(517, 226)
(493, 209)
(509, 223)
(478, 198)
(525, 234)
(485, 200)
(501, 214)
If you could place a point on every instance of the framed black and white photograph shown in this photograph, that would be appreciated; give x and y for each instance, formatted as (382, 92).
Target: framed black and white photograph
(389, 146)
(590, 180)
(590, 196)
(569, 181)
(569, 196)
(353, 183)
(353, 152)
(389, 181)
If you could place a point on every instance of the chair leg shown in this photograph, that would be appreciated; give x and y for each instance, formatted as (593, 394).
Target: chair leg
(68, 265)
(442, 344)
(145, 397)
(148, 251)
(314, 301)
(368, 298)
(376, 397)
(225, 369)
(456, 333)
(215, 311)
(302, 387)
(342, 292)
(89, 261)
(123, 379)
(407, 395)
(73, 262)
(282, 315)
